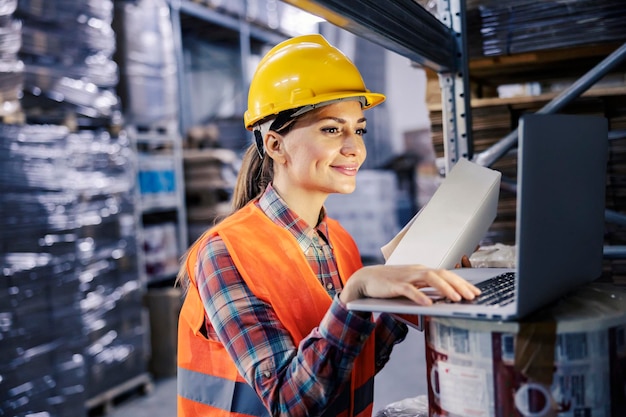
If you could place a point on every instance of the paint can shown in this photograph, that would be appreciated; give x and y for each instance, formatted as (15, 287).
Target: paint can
(567, 360)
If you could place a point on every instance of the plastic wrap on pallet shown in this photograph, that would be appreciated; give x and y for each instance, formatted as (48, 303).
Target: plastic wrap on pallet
(10, 39)
(567, 360)
(69, 263)
(96, 38)
(35, 374)
(34, 202)
(148, 34)
(149, 62)
(96, 69)
(28, 279)
(67, 50)
(112, 308)
(87, 77)
(61, 181)
(11, 82)
(66, 10)
(7, 7)
(43, 382)
(152, 94)
(11, 67)
(31, 157)
(516, 26)
(116, 357)
(75, 86)
(101, 164)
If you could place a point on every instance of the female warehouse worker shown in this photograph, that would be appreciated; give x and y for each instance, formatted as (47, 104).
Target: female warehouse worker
(264, 328)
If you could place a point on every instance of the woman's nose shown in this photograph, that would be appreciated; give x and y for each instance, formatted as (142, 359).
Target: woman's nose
(353, 144)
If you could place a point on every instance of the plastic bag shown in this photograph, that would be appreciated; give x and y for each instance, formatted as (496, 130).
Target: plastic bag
(494, 256)
(409, 407)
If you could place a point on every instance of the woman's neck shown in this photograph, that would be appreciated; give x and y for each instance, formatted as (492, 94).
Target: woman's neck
(305, 205)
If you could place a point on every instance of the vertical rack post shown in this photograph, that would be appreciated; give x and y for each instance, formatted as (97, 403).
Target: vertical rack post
(455, 91)
(183, 93)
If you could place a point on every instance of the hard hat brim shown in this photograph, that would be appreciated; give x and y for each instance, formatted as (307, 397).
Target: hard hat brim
(371, 100)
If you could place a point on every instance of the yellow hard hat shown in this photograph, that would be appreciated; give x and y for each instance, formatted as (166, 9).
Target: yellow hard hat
(303, 71)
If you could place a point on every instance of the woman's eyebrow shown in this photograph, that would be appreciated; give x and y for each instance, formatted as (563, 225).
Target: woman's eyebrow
(340, 120)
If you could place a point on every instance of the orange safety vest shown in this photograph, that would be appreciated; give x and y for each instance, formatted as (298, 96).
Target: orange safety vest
(277, 272)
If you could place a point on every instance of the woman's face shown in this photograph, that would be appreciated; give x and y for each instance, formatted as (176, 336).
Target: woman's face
(322, 152)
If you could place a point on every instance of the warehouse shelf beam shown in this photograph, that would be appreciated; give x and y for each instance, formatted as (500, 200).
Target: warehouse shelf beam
(612, 216)
(183, 91)
(245, 50)
(229, 22)
(500, 148)
(617, 134)
(401, 26)
(614, 252)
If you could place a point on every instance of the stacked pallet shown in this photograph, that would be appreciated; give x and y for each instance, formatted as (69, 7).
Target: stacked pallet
(210, 176)
(73, 329)
(504, 27)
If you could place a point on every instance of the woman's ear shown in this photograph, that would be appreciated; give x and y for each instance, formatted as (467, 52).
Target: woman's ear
(273, 143)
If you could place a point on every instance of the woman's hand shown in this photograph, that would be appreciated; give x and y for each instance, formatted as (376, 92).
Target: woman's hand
(389, 281)
(465, 263)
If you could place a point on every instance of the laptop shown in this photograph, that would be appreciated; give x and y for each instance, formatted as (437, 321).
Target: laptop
(561, 182)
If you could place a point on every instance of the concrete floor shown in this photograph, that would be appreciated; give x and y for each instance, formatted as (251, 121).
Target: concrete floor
(403, 377)
(160, 402)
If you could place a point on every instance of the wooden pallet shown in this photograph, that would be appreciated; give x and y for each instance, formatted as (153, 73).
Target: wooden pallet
(14, 118)
(104, 403)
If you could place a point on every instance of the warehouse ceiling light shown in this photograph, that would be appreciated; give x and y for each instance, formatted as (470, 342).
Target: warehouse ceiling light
(295, 21)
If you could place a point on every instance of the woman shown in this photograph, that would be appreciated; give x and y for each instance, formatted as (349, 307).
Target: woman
(264, 329)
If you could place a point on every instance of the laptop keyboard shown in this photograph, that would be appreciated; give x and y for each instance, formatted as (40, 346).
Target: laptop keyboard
(499, 290)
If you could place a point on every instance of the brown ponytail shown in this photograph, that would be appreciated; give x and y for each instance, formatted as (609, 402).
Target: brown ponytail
(254, 176)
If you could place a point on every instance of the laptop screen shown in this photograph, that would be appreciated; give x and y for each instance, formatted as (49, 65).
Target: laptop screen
(561, 174)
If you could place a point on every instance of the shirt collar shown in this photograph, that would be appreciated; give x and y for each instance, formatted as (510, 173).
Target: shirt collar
(277, 210)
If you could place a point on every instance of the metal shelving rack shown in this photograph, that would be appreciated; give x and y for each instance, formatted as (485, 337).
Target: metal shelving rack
(161, 191)
(405, 27)
(153, 130)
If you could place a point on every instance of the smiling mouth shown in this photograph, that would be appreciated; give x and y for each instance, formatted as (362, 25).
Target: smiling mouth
(346, 170)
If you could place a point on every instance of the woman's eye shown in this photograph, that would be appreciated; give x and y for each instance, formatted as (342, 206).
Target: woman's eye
(336, 130)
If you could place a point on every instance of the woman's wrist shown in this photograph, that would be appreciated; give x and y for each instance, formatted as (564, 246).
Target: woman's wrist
(352, 291)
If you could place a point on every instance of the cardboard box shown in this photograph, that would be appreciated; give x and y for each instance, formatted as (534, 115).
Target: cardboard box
(164, 306)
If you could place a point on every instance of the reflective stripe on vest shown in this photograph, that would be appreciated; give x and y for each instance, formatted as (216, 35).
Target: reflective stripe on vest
(239, 397)
(232, 396)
